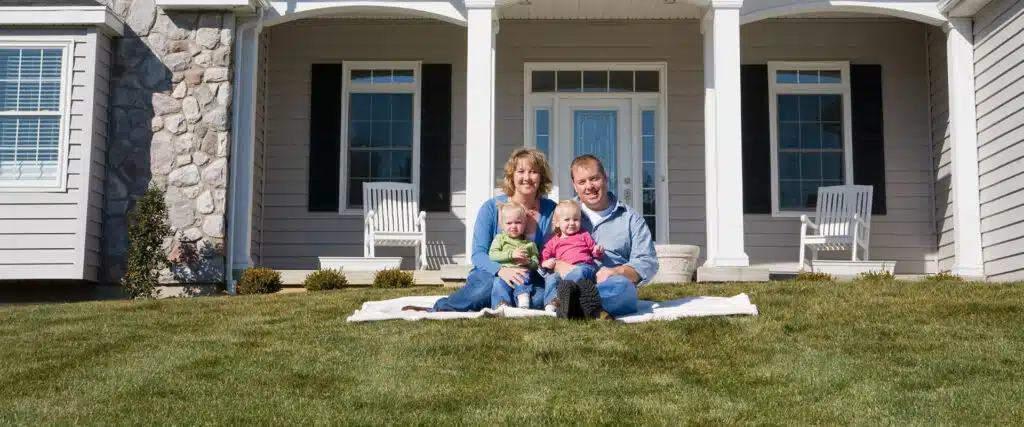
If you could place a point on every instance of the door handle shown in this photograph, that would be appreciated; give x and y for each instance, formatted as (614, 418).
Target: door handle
(628, 195)
(626, 180)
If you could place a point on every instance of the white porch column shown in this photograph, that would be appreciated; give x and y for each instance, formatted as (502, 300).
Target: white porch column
(481, 31)
(240, 168)
(963, 130)
(722, 135)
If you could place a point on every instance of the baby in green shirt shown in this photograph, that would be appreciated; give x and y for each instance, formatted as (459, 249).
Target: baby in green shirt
(512, 244)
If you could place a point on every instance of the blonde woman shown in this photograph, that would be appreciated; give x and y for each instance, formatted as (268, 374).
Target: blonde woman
(527, 180)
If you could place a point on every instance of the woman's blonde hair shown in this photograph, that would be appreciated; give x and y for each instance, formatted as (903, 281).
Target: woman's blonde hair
(508, 185)
(562, 207)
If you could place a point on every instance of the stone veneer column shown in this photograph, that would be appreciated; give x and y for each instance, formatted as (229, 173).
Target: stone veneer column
(169, 128)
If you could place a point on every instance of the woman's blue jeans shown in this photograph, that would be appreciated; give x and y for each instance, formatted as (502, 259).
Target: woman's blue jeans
(475, 295)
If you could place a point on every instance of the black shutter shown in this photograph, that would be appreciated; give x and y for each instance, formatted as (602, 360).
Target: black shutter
(868, 130)
(324, 137)
(436, 137)
(757, 163)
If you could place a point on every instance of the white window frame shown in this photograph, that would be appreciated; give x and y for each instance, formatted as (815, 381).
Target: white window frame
(60, 182)
(775, 89)
(658, 101)
(348, 88)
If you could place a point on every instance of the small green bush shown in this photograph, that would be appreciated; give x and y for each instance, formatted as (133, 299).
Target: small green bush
(876, 277)
(258, 280)
(809, 276)
(393, 278)
(147, 229)
(322, 280)
(943, 277)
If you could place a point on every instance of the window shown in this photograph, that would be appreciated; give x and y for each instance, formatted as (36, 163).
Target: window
(811, 133)
(31, 113)
(381, 141)
(649, 170)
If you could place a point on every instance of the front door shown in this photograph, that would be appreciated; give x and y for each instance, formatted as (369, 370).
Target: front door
(603, 128)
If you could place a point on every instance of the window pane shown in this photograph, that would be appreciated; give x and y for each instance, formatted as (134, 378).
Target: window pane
(620, 81)
(30, 79)
(355, 192)
(380, 147)
(786, 76)
(380, 134)
(649, 201)
(401, 134)
(380, 164)
(402, 76)
(570, 81)
(830, 76)
(595, 81)
(832, 135)
(29, 147)
(810, 166)
(359, 133)
(810, 135)
(401, 165)
(810, 109)
(809, 196)
(401, 107)
(359, 164)
(649, 172)
(647, 81)
(831, 108)
(789, 108)
(542, 127)
(808, 77)
(789, 135)
(543, 81)
(789, 195)
(380, 107)
(362, 76)
(789, 165)
(382, 76)
(652, 224)
(832, 166)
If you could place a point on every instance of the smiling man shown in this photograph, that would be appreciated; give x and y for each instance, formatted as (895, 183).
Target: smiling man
(629, 257)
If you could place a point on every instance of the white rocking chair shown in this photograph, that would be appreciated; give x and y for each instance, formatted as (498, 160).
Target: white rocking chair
(393, 218)
(843, 216)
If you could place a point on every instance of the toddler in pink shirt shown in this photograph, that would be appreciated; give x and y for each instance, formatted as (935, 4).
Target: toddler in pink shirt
(570, 244)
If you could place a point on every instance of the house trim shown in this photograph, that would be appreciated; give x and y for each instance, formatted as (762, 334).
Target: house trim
(98, 16)
(446, 11)
(961, 8)
(67, 46)
(775, 89)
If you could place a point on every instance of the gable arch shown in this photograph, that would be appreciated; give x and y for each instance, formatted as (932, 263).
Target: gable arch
(450, 11)
(925, 12)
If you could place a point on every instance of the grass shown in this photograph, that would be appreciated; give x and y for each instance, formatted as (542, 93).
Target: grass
(819, 353)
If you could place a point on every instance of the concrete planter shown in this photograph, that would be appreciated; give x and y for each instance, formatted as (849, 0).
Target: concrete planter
(677, 263)
(362, 264)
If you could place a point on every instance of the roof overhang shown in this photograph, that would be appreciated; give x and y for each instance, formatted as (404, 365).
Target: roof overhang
(84, 16)
(961, 8)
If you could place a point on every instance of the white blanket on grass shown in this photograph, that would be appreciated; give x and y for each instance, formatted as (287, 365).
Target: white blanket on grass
(646, 310)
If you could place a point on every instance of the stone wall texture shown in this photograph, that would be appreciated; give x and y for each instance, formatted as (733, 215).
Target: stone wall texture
(170, 99)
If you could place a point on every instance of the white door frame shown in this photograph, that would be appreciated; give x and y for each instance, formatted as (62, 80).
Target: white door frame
(639, 101)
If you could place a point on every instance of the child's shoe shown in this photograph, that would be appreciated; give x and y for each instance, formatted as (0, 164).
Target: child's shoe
(552, 306)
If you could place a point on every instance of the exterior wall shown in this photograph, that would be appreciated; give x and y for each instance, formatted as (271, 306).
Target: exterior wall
(170, 107)
(939, 110)
(295, 237)
(259, 145)
(98, 164)
(999, 74)
(906, 234)
(56, 232)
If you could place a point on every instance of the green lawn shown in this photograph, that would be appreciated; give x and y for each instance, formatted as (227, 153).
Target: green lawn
(819, 353)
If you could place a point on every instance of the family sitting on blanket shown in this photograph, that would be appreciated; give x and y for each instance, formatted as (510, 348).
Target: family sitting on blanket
(623, 255)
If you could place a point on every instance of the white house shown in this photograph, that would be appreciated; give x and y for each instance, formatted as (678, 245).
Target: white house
(717, 119)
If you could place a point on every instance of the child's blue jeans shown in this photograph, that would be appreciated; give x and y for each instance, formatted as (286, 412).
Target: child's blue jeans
(535, 286)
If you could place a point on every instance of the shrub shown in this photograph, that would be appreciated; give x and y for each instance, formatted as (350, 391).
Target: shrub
(258, 280)
(393, 278)
(808, 276)
(943, 277)
(147, 229)
(322, 280)
(876, 277)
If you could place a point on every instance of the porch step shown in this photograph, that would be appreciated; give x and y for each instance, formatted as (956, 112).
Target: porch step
(365, 278)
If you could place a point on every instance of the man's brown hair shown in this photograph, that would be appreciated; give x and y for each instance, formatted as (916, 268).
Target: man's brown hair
(586, 158)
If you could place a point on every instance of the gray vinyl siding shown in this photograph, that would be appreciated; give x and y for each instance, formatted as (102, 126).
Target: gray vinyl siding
(259, 136)
(999, 74)
(293, 237)
(98, 163)
(55, 235)
(939, 110)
